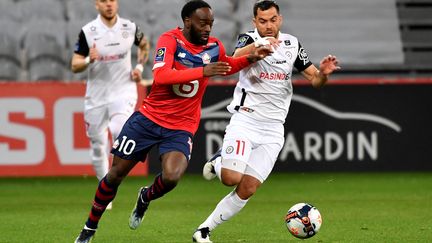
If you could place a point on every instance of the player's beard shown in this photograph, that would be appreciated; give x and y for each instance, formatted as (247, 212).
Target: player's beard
(197, 37)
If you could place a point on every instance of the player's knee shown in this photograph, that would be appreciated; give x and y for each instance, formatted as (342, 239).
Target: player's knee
(171, 178)
(115, 176)
(245, 192)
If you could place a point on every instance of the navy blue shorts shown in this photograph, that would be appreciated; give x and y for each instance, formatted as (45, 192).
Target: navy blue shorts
(139, 134)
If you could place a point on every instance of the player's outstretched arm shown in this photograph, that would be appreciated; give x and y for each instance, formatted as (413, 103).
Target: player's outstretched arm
(318, 78)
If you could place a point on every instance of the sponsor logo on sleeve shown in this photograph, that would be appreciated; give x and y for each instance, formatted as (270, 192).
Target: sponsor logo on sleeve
(160, 54)
(303, 56)
(242, 41)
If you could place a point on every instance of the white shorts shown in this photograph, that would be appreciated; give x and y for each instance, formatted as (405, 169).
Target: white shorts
(97, 118)
(251, 147)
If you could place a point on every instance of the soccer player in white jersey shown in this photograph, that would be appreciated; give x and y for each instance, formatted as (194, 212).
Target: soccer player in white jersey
(104, 49)
(255, 134)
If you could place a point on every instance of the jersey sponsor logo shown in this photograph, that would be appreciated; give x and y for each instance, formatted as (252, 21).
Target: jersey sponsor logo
(160, 54)
(303, 56)
(278, 62)
(242, 41)
(206, 58)
(274, 76)
(125, 34)
(112, 57)
(186, 90)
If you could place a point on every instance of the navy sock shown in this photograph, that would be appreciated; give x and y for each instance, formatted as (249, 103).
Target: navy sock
(157, 189)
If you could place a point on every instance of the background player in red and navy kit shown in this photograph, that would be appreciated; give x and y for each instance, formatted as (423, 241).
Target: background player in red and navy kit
(169, 117)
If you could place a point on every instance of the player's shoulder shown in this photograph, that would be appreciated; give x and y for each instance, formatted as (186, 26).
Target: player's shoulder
(91, 26)
(285, 36)
(125, 23)
(249, 34)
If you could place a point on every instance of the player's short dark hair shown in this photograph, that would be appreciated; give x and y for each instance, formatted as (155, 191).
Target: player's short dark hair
(190, 7)
(264, 5)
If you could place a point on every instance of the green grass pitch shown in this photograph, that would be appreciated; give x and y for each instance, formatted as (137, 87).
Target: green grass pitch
(356, 207)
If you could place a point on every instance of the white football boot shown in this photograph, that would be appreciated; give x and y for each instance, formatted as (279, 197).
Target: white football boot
(202, 235)
(209, 172)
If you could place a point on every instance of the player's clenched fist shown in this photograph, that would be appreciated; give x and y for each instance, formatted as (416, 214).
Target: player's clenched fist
(93, 53)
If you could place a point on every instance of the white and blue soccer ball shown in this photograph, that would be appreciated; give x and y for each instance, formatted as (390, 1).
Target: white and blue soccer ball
(303, 220)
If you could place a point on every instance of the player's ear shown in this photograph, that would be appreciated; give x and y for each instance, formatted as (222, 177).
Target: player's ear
(187, 22)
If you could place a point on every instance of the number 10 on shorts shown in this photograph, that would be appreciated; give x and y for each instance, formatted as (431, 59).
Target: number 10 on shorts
(126, 146)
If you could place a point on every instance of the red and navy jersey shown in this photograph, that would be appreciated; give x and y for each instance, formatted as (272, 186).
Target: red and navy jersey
(179, 84)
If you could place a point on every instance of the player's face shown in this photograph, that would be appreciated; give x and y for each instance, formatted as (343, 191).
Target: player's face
(268, 22)
(107, 8)
(201, 25)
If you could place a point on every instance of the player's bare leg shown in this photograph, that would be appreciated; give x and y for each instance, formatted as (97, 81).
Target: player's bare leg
(174, 165)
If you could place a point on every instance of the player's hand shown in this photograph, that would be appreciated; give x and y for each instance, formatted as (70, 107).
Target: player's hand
(216, 68)
(274, 43)
(93, 54)
(136, 75)
(259, 53)
(328, 65)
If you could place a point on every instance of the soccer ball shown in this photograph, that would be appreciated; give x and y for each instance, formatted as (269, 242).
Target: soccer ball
(303, 220)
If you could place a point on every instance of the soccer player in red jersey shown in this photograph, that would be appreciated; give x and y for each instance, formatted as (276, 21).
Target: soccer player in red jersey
(169, 117)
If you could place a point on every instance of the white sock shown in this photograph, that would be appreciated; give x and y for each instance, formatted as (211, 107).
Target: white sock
(99, 155)
(218, 168)
(229, 206)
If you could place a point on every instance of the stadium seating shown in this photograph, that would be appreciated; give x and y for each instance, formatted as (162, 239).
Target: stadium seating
(368, 35)
(9, 70)
(415, 20)
(9, 11)
(41, 9)
(9, 48)
(80, 10)
(47, 70)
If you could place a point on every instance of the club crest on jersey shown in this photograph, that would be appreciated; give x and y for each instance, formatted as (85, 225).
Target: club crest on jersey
(206, 58)
(242, 41)
(160, 54)
(287, 42)
(229, 149)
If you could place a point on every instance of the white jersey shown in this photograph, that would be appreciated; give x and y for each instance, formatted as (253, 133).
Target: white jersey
(109, 78)
(264, 90)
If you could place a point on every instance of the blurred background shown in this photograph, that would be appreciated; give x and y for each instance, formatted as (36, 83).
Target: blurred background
(379, 37)
(366, 118)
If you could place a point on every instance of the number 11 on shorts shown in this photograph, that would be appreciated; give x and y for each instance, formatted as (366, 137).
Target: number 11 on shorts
(240, 147)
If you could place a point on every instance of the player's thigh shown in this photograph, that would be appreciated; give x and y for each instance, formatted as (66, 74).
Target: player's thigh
(262, 160)
(96, 120)
(137, 137)
(235, 154)
(176, 140)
